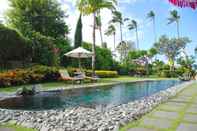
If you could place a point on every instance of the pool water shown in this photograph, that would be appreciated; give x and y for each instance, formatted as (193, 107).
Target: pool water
(89, 97)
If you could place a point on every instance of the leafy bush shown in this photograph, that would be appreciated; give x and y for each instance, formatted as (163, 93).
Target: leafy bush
(32, 75)
(99, 73)
(13, 46)
(103, 73)
(104, 60)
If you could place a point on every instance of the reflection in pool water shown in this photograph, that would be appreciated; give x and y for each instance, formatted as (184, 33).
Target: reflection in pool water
(90, 97)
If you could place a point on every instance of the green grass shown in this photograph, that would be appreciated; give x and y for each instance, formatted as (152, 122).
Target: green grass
(16, 127)
(52, 85)
(175, 122)
(44, 85)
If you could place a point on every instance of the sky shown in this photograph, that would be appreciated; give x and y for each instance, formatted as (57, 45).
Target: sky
(133, 9)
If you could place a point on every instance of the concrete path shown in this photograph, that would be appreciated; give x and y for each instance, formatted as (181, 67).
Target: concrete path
(178, 114)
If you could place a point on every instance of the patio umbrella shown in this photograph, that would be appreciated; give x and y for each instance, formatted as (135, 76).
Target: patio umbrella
(79, 53)
(185, 3)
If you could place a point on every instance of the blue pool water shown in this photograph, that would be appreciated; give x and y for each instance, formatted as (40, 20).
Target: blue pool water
(88, 97)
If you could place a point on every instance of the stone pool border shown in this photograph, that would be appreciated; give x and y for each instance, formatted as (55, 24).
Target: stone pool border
(87, 119)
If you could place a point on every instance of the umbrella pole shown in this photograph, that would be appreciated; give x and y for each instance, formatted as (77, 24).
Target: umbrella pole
(79, 63)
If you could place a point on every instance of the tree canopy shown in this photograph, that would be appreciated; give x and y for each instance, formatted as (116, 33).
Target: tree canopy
(171, 48)
(13, 46)
(43, 16)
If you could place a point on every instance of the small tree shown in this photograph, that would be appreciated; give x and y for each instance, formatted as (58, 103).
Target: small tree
(78, 33)
(123, 49)
(171, 48)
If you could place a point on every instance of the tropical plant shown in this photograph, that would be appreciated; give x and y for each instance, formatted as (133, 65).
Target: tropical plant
(112, 31)
(151, 16)
(174, 17)
(134, 26)
(117, 18)
(78, 33)
(104, 59)
(99, 27)
(123, 49)
(43, 16)
(88, 7)
(171, 48)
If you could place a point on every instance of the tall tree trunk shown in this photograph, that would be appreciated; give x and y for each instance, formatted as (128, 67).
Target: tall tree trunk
(154, 29)
(121, 32)
(94, 44)
(178, 33)
(137, 39)
(114, 41)
(101, 35)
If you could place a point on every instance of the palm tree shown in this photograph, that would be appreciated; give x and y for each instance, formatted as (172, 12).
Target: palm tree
(88, 7)
(99, 26)
(174, 17)
(151, 16)
(112, 31)
(117, 18)
(133, 25)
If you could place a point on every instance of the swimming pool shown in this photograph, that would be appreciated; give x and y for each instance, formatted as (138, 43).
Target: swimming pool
(89, 97)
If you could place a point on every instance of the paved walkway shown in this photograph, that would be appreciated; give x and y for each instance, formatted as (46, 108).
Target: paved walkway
(178, 114)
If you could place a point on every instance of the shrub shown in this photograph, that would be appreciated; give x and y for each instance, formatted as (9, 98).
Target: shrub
(103, 73)
(31, 75)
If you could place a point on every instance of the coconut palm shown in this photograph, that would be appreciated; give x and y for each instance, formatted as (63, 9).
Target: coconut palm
(117, 18)
(151, 16)
(174, 17)
(134, 26)
(88, 7)
(112, 31)
(99, 27)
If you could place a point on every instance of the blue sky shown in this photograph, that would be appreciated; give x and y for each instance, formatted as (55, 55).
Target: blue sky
(188, 24)
(134, 9)
(138, 9)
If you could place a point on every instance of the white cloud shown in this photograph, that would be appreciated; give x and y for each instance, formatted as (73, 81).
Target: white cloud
(4, 5)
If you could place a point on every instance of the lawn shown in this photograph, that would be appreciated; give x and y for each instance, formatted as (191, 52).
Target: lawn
(15, 128)
(52, 85)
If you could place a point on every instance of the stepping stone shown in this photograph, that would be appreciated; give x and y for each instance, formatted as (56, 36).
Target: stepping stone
(193, 106)
(184, 97)
(140, 129)
(171, 103)
(190, 118)
(166, 114)
(180, 100)
(192, 110)
(158, 123)
(187, 93)
(187, 127)
(175, 108)
(6, 129)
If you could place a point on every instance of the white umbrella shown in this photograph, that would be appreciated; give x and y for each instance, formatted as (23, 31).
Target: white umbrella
(79, 53)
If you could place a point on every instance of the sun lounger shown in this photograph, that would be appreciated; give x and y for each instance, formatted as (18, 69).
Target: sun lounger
(65, 76)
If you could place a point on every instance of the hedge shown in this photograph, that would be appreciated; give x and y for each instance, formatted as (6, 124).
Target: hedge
(39, 74)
